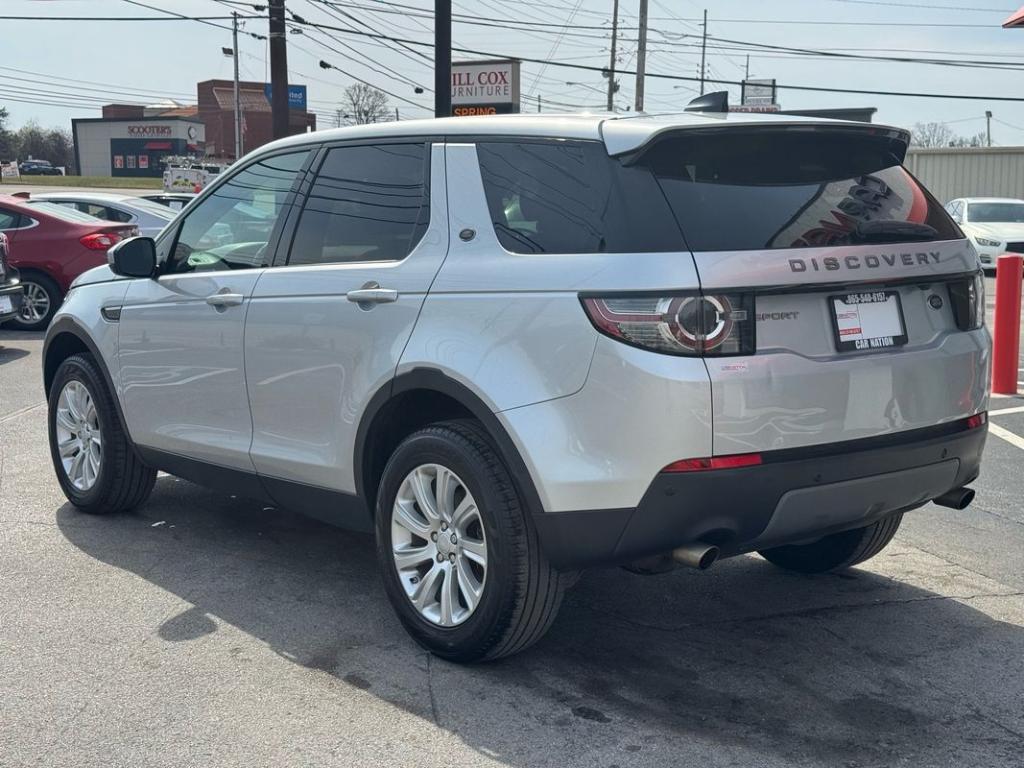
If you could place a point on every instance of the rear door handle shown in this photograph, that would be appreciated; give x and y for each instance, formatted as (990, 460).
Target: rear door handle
(370, 296)
(224, 300)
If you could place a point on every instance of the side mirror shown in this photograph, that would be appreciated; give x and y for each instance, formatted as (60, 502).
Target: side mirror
(134, 257)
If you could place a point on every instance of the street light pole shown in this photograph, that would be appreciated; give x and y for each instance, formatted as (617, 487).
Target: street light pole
(238, 105)
(703, 49)
(641, 58)
(611, 60)
(442, 58)
(278, 69)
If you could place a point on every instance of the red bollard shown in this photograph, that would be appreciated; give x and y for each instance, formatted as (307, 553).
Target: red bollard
(1006, 328)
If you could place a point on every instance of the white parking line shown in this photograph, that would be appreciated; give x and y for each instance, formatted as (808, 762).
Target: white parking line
(1007, 435)
(1004, 411)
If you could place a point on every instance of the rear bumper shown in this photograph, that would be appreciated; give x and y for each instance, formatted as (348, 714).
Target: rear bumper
(795, 495)
(16, 294)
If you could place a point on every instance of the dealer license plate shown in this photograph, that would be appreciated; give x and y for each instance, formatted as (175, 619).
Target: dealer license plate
(868, 320)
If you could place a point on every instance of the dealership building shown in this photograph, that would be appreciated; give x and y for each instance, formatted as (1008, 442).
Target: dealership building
(125, 142)
(132, 140)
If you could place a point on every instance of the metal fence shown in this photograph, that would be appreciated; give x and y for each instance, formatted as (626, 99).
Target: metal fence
(951, 172)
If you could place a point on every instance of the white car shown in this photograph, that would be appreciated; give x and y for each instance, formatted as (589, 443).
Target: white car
(148, 216)
(994, 224)
(514, 347)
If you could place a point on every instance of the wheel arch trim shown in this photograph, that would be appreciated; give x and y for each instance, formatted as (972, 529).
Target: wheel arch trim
(68, 326)
(433, 380)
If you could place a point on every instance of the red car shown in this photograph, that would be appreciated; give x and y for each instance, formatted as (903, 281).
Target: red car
(51, 245)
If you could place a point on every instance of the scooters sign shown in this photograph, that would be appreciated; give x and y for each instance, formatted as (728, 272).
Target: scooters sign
(485, 87)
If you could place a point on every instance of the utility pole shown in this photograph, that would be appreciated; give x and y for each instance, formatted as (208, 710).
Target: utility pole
(988, 127)
(641, 58)
(538, 102)
(397, 118)
(278, 69)
(703, 49)
(746, 72)
(442, 58)
(611, 60)
(238, 104)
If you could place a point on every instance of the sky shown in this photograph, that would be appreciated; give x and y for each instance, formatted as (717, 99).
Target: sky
(58, 70)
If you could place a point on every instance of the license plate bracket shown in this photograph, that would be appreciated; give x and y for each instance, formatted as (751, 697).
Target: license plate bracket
(868, 320)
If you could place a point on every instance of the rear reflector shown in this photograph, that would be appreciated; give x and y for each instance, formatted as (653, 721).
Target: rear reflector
(977, 420)
(715, 462)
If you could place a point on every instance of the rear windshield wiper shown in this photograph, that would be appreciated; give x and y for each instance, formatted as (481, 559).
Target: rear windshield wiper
(892, 232)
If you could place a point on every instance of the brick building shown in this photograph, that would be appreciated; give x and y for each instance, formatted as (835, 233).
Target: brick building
(132, 140)
(216, 109)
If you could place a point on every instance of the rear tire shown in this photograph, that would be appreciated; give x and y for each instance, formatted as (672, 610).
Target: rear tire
(516, 594)
(120, 481)
(837, 551)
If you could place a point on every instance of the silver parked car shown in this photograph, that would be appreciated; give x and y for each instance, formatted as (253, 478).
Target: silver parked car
(516, 347)
(148, 216)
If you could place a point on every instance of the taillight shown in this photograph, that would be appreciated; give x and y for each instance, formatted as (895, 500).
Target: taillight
(968, 300)
(977, 420)
(715, 462)
(99, 241)
(691, 324)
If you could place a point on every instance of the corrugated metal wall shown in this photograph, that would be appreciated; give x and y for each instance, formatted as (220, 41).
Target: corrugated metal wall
(952, 172)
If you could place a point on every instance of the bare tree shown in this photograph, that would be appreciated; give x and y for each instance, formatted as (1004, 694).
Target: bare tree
(365, 104)
(932, 135)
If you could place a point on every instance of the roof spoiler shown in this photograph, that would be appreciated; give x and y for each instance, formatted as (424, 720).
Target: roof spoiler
(710, 102)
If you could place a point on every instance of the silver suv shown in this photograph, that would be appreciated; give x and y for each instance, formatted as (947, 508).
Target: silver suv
(516, 347)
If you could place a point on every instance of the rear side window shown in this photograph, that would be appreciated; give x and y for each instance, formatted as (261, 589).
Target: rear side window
(62, 212)
(571, 197)
(368, 203)
(771, 188)
(12, 219)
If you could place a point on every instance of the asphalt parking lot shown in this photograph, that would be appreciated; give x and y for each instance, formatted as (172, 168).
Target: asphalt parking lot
(210, 630)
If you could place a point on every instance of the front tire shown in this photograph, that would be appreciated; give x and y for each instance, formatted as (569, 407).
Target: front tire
(39, 304)
(837, 551)
(461, 562)
(97, 468)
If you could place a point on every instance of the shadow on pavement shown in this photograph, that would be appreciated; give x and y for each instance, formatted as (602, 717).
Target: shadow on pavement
(8, 355)
(849, 670)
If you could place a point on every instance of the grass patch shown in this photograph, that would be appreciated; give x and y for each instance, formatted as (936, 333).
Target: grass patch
(110, 182)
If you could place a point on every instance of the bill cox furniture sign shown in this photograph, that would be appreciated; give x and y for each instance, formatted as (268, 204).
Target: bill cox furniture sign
(485, 87)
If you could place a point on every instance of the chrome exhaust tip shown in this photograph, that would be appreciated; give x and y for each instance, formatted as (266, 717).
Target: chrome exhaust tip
(958, 498)
(696, 555)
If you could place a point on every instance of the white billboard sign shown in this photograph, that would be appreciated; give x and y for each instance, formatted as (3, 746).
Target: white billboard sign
(485, 87)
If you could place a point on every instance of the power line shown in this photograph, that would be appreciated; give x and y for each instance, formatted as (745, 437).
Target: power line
(584, 67)
(929, 6)
(193, 18)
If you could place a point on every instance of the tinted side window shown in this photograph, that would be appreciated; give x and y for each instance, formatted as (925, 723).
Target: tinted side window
(10, 219)
(231, 228)
(571, 197)
(367, 204)
(770, 188)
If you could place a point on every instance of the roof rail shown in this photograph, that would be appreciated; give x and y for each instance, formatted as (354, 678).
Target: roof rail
(710, 102)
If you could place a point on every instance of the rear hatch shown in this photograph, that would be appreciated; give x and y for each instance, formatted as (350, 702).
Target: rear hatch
(866, 298)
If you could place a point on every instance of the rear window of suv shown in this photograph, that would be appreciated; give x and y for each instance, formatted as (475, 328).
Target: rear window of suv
(723, 190)
(735, 190)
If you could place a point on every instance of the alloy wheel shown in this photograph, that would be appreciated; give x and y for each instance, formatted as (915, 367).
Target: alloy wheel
(79, 441)
(35, 303)
(439, 545)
